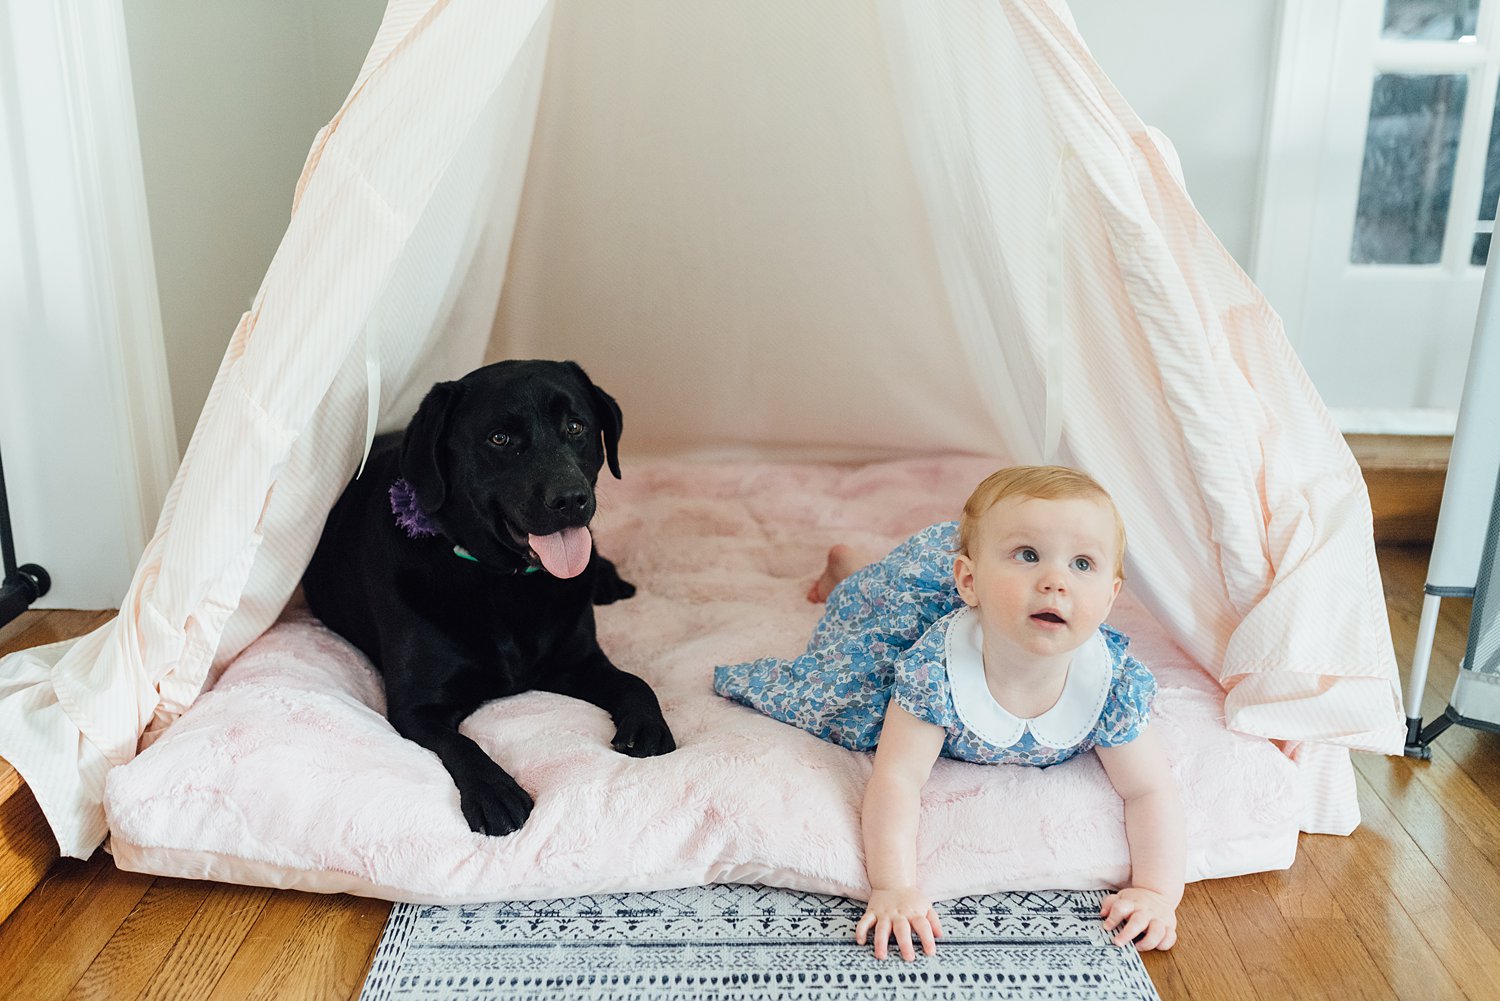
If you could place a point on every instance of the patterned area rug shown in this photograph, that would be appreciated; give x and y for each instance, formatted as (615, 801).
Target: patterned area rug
(707, 943)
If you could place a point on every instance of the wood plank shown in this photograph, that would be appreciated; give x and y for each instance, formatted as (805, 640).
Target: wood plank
(324, 950)
(1385, 850)
(277, 921)
(141, 943)
(1322, 930)
(1467, 871)
(10, 632)
(361, 937)
(1348, 866)
(60, 941)
(1478, 754)
(70, 945)
(1276, 967)
(27, 848)
(1161, 967)
(28, 930)
(10, 780)
(52, 626)
(208, 942)
(1204, 962)
(1473, 813)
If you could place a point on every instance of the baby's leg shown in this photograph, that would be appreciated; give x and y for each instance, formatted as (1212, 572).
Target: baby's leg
(842, 561)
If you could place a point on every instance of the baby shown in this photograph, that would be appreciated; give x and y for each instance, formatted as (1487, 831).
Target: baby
(983, 640)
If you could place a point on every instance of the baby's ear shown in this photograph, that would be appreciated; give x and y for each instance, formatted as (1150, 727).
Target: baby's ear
(963, 577)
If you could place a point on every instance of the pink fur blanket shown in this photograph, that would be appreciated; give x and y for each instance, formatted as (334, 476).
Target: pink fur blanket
(286, 773)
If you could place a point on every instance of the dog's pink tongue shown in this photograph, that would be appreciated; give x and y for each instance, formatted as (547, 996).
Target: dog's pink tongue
(564, 553)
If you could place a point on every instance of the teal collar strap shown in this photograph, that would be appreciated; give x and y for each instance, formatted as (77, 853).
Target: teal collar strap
(464, 554)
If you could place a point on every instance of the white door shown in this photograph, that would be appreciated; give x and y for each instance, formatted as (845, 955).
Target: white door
(1381, 182)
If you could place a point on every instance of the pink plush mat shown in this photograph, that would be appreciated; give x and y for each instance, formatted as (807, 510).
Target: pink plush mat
(287, 774)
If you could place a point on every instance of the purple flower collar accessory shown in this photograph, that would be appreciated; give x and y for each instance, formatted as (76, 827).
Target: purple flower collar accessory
(417, 523)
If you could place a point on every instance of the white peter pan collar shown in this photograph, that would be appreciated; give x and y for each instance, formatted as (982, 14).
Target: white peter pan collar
(1064, 725)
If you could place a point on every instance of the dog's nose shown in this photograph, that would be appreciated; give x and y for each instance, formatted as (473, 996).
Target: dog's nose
(568, 500)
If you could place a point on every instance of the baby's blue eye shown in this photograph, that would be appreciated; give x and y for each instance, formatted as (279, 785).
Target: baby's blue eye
(1083, 563)
(1027, 555)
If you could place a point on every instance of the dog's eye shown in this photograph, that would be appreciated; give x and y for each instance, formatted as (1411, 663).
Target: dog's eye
(500, 438)
(574, 428)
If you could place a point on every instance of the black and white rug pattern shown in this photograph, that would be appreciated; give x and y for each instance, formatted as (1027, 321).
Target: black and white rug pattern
(729, 941)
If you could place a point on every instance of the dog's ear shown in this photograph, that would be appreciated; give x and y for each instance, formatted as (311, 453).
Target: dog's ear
(421, 450)
(606, 415)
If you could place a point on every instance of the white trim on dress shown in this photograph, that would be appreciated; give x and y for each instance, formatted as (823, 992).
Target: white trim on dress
(1065, 725)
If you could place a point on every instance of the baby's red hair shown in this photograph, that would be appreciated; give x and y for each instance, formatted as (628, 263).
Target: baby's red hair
(1043, 483)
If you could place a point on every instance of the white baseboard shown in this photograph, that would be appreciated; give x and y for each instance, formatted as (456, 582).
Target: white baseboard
(1374, 420)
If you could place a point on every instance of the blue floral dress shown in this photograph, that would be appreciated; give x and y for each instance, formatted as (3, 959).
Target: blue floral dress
(897, 629)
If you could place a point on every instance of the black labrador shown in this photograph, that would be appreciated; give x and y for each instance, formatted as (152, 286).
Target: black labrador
(461, 563)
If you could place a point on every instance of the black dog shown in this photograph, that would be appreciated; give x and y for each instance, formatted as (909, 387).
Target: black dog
(460, 562)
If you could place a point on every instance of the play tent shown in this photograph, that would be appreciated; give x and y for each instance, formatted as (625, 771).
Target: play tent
(780, 232)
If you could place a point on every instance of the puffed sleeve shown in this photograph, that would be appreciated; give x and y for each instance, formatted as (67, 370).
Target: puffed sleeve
(1127, 709)
(920, 685)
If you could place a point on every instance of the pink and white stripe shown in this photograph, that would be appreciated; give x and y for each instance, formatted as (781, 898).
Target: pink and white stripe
(838, 230)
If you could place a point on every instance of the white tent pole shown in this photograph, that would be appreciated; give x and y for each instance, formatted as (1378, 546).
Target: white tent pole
(1416, 681)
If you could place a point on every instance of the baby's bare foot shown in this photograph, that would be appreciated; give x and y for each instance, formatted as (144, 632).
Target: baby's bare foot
(841, 563)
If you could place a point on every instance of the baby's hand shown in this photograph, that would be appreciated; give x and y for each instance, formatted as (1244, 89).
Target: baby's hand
(902, 911)
(1140, 912)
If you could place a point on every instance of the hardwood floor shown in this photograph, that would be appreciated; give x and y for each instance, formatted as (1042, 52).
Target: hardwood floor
(1403, 908)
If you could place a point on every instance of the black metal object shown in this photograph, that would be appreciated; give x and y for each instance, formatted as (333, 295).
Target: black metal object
(1419, 738)
(22, 584)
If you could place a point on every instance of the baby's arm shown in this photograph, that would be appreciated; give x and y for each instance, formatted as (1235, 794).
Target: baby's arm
(1153, 827)
(893, 800)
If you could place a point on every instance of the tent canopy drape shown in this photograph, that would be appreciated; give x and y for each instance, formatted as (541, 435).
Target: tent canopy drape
(836, 231)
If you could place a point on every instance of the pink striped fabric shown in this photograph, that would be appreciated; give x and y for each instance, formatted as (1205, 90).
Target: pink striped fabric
(1250, 526)
(1024, 276)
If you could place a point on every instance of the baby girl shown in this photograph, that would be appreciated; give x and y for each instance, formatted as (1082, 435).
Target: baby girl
(984, 640)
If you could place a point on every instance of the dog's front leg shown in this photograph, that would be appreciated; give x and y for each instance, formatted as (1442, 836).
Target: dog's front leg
(492, 801)
(640, 729)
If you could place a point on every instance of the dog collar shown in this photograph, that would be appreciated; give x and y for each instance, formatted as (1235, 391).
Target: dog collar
(464, 554)
(418, 524)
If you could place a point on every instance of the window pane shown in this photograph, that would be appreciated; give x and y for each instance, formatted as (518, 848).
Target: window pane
(1491, 170)
(1441, 20)
(1481, 248)
(1407, 179)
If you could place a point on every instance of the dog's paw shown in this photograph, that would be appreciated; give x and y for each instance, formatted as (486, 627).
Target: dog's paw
(494, 804)
(644, 738)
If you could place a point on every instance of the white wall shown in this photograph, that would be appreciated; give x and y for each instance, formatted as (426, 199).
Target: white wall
(228, 98)
(230, 94)
(1202, 73)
